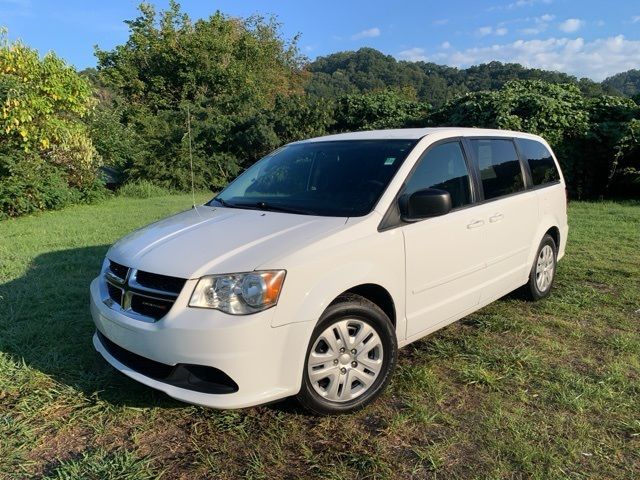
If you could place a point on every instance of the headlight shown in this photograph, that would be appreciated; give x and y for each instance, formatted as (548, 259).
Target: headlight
(239, 293)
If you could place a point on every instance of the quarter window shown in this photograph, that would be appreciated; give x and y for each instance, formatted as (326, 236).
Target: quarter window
(543, 168)
(443, 167)
(499, 167)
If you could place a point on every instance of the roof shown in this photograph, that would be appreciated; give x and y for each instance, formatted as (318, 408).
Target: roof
(414, 134)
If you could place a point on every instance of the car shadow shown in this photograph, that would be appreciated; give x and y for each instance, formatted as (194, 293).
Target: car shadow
(46, 324)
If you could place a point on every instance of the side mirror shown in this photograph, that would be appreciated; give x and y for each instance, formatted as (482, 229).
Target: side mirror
(426, 203)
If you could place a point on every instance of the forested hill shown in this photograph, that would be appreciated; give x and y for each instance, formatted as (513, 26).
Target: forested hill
(368, 69)
(627, 83)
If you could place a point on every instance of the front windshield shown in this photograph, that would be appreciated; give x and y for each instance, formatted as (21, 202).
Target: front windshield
(335, 178)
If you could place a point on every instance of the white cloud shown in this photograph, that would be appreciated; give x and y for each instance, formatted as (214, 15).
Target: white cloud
(635, 19)
(368, 33)
(595, 59)
(413, 54)
(540, 24)
(571, 25)
(488, 30)
(445, 45)
(440, 22)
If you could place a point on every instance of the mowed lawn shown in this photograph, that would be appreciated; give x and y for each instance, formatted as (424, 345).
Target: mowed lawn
(517, 390)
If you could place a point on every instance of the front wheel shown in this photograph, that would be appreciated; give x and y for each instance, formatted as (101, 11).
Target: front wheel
(350, 358)
(543, 271)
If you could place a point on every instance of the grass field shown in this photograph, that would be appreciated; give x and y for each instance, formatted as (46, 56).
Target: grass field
(517, 390)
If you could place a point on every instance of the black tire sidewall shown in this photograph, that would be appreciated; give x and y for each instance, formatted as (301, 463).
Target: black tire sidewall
(361, 309)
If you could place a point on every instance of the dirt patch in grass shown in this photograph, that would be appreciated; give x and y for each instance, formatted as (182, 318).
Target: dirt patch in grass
(59, 445)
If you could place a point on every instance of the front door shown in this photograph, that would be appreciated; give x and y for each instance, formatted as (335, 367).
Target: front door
(444, 270)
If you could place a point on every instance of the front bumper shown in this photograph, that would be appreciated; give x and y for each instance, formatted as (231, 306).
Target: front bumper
(265, 362)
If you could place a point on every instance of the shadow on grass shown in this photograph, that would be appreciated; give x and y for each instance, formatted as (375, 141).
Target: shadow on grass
(45, 322)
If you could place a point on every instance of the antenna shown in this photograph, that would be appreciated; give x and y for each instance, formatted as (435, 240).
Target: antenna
(193, 181)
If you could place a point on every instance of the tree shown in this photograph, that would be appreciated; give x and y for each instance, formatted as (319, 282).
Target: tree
(378, 109)
(222, 70)
(557, 112)
(367, 69)
(626, 83)
(47, 158)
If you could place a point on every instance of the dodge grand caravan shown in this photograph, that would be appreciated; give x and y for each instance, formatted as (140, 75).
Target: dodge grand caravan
(307, 273)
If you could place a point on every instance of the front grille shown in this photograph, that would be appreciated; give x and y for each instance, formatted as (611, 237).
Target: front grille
(199, 378)
(160, 282)
(145, 294)
(118, 270)
(115, 293)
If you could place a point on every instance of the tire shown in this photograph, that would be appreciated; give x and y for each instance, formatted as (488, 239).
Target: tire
(335, 382)
(541, 279)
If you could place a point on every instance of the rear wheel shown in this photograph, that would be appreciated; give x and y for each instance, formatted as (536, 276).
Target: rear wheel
(543, 271)
(350, 358)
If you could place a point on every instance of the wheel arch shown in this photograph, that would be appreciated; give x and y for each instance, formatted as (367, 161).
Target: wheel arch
(378, 295)
(554, 232)
(549, 226)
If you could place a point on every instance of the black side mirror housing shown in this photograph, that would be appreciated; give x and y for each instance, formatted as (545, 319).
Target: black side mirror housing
(430, 202)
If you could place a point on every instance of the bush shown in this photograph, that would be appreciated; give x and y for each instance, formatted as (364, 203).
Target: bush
(142, 189)
(29, 184)
(47, 159)
(223, 70)
(379, 109)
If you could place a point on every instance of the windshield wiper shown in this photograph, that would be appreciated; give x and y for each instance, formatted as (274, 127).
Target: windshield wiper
(273, 208)
(224, 203)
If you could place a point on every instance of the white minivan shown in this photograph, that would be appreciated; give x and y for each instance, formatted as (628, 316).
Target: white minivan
(307, 273)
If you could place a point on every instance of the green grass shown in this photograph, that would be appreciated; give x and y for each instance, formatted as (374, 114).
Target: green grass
(517, 390)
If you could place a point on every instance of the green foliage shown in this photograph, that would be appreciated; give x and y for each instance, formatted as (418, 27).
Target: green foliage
(292, 118)
(41, 100)
(48, 159)
(29, 184)
(624, 177)
(118, 143)
(343, 73)
(142, 189)
(608, 154)
(242, 90)
(554, 111)
(216, 73)
(378, 109)
(627, 83)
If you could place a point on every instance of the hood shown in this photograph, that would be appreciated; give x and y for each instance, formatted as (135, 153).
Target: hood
(218, 240)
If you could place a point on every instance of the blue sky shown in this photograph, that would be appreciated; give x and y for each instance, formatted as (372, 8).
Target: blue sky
(585, 38)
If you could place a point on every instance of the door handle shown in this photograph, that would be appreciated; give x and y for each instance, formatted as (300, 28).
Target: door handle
(496, 218)
(476, 224)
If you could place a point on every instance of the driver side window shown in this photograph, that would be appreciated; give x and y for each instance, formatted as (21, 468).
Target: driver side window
(443, 167)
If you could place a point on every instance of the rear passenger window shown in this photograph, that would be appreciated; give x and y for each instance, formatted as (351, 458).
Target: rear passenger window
(443, 167)
(543, 168)
(499, 167)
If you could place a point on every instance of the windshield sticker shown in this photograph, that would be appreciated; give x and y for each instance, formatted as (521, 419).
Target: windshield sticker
(389, 160)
